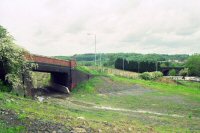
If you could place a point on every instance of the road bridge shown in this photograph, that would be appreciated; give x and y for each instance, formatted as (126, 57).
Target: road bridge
(165, 70)
(62, 71)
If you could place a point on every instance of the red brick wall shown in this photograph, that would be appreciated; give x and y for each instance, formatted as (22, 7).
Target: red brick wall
(78, 77)
(48, 60)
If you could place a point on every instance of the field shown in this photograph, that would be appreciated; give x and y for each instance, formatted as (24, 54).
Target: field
(108, 103)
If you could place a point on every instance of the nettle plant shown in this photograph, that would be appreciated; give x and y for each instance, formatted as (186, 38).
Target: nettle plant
(13, 62)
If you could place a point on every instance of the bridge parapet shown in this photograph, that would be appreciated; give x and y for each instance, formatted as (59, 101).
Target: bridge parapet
(48, 60)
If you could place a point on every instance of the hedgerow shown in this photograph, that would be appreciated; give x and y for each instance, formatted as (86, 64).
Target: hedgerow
(151, 75)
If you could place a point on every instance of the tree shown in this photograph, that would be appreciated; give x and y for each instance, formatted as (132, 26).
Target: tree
(193, 65)
(183, 72)
(111, 60)
(12, 60)
(172, 72)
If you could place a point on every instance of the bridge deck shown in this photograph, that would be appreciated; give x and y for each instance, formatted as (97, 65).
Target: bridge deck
(48, 60)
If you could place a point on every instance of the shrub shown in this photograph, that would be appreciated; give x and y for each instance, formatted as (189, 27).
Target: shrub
(172, 72)
(183, 72)
(157, 75)
(151, 75)
(145, 76)
(4, 87)
(193, 64)
(13, 60)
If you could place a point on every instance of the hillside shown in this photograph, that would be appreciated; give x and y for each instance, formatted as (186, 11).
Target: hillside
(108, 59)
(107, 104)
(129, 56)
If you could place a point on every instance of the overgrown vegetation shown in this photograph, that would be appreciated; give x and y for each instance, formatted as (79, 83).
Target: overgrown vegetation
(4, 87)
(151, 75)
(12, 60)
(40, 79)
(184, 72)
(172, 72)
(193, 64)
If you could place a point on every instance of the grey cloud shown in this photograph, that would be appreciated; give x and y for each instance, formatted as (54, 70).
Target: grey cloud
(52, 27)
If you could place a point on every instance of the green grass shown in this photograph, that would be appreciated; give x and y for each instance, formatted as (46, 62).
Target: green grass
(67, 115)
(4, 128)
(89, 87)
(87, 70)
(192, 90)
(190, 84)
(182, 99)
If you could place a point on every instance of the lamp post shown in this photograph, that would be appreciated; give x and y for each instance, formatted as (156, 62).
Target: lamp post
(95, 48)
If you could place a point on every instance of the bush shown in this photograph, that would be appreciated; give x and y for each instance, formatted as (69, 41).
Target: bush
(151, 75)
(4, 87)
(145, 76)
(183, 72)
(193, 64)
(157, 75)
(13, 60)
(172, 72)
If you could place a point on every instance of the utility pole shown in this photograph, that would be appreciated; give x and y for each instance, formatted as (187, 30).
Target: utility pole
(95, 49)
(123, 63)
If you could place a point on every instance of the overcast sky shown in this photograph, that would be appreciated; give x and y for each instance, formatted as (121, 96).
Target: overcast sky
(60, 27)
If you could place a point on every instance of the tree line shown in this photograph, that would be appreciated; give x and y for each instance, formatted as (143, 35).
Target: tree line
(108, 59)
(191, 66)
(137, 66)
